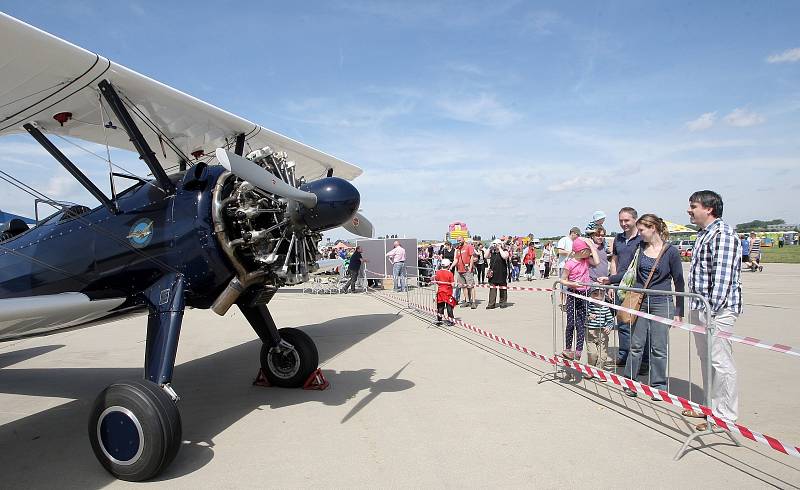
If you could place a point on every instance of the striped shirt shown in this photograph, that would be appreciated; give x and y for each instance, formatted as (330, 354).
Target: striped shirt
(716, 268)
(600, 316)
(755, 248)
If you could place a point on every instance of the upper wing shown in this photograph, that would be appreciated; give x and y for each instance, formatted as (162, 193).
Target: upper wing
(42, 75)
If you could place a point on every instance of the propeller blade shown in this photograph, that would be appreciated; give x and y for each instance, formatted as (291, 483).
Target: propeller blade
(249, 171)
(359, 225)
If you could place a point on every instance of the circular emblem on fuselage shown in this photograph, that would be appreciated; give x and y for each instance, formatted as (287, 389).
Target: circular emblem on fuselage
(141, 233)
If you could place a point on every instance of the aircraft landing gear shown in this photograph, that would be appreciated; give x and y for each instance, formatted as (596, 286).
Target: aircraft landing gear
(135, 429)
(288, 356)
(291, 362)
(135, 426)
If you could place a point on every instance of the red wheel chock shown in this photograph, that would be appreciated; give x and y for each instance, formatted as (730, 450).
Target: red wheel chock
(316, 381)
(261, 379)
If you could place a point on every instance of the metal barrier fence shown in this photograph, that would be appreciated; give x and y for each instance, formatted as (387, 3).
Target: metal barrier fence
(662, 370)
(335, 283)
(419, 297)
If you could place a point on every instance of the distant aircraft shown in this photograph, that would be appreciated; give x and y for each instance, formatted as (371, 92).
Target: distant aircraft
(196, 234)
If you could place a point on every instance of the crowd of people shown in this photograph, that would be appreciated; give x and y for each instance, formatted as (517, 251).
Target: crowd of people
(523, 260)
(587, 266)
(641, 257)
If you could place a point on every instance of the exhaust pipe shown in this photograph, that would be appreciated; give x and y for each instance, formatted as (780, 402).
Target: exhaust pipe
(243, 279)
(228, 297)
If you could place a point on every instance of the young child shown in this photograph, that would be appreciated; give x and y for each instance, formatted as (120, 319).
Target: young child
(576, 270)
(599, 322)
(598, 218)
(444, 293)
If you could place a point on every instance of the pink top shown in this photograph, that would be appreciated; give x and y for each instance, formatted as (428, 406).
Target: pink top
(578, 272)
(397, 254)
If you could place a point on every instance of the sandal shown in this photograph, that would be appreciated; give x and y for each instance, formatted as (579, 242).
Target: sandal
(702, 427)
(693, 414)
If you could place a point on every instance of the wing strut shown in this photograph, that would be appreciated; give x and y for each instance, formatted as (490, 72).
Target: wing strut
(71, 168)
(239, 150)
(136, 137)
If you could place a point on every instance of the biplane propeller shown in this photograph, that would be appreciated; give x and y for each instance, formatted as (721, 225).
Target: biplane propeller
(194, 235)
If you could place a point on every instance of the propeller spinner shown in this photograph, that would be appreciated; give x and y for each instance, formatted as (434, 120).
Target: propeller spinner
(322, 204)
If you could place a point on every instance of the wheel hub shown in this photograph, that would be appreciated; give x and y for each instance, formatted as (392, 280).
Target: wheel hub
(120, 435)
(284, 363)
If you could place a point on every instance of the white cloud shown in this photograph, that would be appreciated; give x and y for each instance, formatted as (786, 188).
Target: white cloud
(445, 13)
(579, 182)
(540, 22)
(703, 122)
(330, 112)
(483, 109)
(788, 56)
(60, 187)
(742, 118)
(465, 68)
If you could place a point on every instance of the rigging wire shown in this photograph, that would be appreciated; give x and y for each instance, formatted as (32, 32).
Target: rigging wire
(153, 127)
(31, 95)
(28, 189)
(107, 160)
(53, 268)
(100, 229)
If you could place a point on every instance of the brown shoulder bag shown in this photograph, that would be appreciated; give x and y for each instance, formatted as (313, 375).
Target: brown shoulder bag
(633, 300)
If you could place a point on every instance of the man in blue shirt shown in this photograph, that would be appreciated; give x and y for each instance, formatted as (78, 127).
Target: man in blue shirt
(622, 250)
(745, 250)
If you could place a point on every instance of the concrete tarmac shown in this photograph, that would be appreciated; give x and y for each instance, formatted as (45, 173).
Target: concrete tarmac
(411, 404)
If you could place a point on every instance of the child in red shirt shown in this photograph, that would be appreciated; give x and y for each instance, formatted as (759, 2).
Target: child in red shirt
(444, 293)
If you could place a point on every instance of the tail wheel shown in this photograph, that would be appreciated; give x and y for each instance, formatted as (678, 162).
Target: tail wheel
(135, 430)
(290, 368)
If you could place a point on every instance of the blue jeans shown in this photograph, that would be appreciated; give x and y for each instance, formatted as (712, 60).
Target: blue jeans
(399, 276)
(657, 335)
(624, 332)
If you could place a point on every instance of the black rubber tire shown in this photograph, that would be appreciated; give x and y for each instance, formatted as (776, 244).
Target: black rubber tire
(306, 352)
(160, 424)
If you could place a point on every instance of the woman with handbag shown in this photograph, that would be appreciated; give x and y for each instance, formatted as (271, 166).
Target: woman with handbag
(656, 265)
(497, 274)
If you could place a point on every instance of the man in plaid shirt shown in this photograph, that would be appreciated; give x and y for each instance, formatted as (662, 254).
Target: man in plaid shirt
(714, 274)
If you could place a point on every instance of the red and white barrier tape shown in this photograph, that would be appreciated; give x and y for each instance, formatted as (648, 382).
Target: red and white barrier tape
(483, 286)
(494, 286)
(621, 381)
(751, 341)
(784, 349)
(683, 403)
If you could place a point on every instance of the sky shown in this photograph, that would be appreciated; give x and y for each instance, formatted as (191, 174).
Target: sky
(514, 117)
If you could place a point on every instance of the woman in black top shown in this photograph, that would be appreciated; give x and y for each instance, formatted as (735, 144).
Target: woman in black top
(668, 272)
(449, 253)
(497, 274)
(480, 263)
